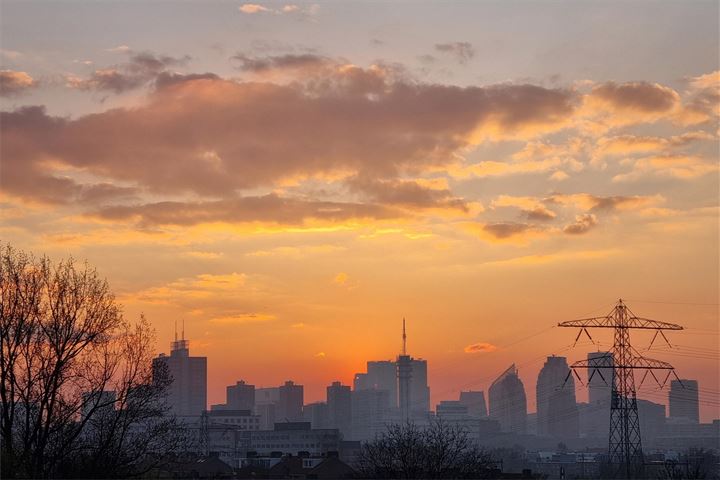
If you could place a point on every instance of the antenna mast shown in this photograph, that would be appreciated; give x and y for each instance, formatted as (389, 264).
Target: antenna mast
(404, 338)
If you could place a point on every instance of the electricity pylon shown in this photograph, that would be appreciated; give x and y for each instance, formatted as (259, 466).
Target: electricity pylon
(625, 445)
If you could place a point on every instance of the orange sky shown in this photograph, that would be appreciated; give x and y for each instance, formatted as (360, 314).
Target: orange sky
(302, 178)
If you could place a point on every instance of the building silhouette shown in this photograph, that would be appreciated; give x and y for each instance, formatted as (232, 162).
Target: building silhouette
(187, 395)
(381, 375)
(475, 403)
(557, 413)
(290, 402)
(599, 377)
(339, 407)
(684, 401)
(508, 403)
(370, 413)
(419, 389)
(240, 396)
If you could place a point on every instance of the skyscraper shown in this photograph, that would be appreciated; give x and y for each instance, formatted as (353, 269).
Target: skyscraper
(599, 377)
(240, 396)
(419, 389)
(557, 413)
(508, 403)
(369, 413)
(339, 402)
(187, 394)
(684, 402)
(475, 403)
(290, 402)
(382, 375)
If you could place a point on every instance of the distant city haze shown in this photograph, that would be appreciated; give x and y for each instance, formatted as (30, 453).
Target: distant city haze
(291, 181)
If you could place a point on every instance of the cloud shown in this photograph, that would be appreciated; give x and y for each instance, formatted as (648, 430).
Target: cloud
(203, 255)
(10, 54)
(341, 279)
(682, 167)
(596, 204)
(320, 355)
(481, 347)
(583, 223)
(193, 289)
(611, 105)
(559, 176)
(623, 145)
(407, 193)
(242, 318)
(704, 99)
(306, 62)
(462, 51)
(531, 208)
(14, 83)
(140, 69)
(503, 230)
(252, 8)
(498, 169)
(214, 137)
(269, 208)
(119, 49)
(636, 96)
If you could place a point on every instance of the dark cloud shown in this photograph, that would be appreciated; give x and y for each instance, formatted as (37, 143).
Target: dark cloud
(290, 61)
(641, 96)
(14, 83)
(140, 69)
(407, 193)
(507, 229)
(166, 79)
(583, 223)
(462, 51)
(539, 214)
(618, 202)
(99, 193)
(268, 208)
(213, 137)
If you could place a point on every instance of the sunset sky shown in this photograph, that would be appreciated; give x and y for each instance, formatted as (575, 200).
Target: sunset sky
(292, 179)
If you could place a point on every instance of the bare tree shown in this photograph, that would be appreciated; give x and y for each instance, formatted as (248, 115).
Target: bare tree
(77, 395)
(439, 450)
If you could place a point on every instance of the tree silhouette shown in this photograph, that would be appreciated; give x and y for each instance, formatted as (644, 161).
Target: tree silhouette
(77, 394)
(439, 450)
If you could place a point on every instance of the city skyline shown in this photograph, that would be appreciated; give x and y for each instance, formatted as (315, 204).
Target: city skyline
(291, 179)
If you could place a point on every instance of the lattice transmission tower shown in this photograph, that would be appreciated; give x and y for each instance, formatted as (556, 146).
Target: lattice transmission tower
(625, 445)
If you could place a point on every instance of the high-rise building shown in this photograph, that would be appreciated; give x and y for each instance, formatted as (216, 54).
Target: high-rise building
(240, 396)
(317, 414)
(451, 409)
(187, 394)
(404, 374)
(266, 401)
(475, 403)
(684, 402)
(339, 402)
(599, 377)
(508, 403)
(370, 413)
(382, 375)
(419, 389)
(290, 402)
(557, 413)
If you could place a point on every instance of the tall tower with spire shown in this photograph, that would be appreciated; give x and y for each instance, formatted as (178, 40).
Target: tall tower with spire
(404, 374)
